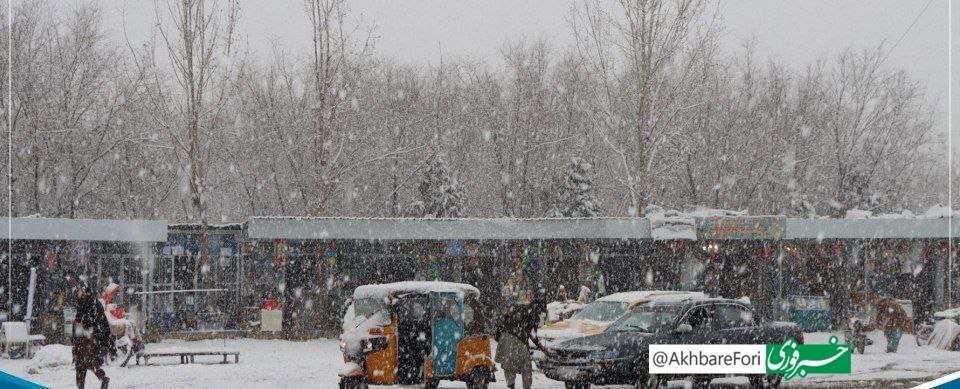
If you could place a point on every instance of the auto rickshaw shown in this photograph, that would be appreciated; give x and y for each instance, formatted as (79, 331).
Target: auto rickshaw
(414, 332)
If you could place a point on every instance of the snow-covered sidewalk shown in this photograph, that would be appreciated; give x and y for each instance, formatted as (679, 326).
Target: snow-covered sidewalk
(910, 361)
(314, 364)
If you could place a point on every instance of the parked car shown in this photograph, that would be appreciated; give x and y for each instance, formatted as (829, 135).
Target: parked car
(594, 317)
(618, 355)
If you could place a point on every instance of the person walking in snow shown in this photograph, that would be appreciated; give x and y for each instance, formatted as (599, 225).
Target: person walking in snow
(893, 320)
(92, 340)
(517, 327)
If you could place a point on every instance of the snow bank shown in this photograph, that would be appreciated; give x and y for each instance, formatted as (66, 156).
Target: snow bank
(51, 355)
(945, 335)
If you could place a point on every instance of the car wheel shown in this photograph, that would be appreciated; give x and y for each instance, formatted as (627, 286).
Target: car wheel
(576, 385)
(479, 378)
(765, 381)
(649, 381)
(353, 383)
(700, 383)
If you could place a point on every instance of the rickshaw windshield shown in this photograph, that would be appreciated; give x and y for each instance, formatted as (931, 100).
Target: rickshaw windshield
(366, 307)
(372, 310)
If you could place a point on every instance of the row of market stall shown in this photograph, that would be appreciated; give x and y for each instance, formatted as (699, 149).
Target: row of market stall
(188, 278)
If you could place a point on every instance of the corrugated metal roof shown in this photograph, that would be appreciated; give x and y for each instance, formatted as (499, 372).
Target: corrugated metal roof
(868, 228)
(444, 229)
(83, 229)
(564, 228)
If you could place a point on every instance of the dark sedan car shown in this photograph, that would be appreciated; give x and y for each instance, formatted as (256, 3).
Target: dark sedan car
(619, 354)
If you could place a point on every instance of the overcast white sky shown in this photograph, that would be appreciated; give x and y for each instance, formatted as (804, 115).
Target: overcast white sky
(796, 31)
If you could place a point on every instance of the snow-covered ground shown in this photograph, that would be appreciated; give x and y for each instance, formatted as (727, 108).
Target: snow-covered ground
(314, 364)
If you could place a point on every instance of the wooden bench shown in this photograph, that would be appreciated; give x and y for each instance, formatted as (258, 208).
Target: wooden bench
(186, 356)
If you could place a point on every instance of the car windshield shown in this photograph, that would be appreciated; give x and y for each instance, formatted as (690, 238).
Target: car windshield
(647, 319)
(601, 311)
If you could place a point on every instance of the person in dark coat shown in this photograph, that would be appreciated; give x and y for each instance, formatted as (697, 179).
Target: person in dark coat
(92, 340)
(517, 327)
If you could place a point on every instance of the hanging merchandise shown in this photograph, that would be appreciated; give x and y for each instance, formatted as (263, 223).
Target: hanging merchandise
(330, 254)
(51, 259)
(80, 252)
(281, 249)
(433, 267)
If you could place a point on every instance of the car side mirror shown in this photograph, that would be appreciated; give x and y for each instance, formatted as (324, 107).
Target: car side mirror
(683, 328)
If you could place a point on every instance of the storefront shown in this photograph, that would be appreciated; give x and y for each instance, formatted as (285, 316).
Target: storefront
(307, 263)
(195, 279)
(66, 253)
(827, 260)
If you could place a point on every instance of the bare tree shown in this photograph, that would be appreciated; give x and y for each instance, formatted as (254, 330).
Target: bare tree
(636, 52)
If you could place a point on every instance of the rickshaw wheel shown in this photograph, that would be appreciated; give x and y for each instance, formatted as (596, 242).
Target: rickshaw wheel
(353, 383)
(478, 378)
(431, 384)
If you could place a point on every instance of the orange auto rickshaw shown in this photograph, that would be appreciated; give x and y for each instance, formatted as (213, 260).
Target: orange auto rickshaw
(414, 332)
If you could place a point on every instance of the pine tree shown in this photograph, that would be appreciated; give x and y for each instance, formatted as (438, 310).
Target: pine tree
(576, 194)
(440, 193)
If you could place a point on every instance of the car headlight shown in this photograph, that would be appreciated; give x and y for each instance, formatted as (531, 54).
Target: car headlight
(605, 354)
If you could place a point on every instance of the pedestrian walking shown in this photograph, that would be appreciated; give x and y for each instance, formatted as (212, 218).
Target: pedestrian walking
(518, 327)
(92, 340)
(893, 320)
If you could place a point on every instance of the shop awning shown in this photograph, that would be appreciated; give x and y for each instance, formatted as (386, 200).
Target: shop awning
(445, 229)
(83, 229)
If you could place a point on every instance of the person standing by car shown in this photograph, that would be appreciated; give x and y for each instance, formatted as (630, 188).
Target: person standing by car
(92, 340)
(517, 327)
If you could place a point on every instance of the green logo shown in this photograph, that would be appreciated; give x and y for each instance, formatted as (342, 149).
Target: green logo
(792, 359)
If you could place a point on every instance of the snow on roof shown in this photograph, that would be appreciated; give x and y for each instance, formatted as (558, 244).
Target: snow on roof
(442, 229)
(873, 228)
(658, 295)
(384, 290)
(210, 226)
(666, 225)
(671, 225)
(705, 212)
(939, 211)
(84, 229)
